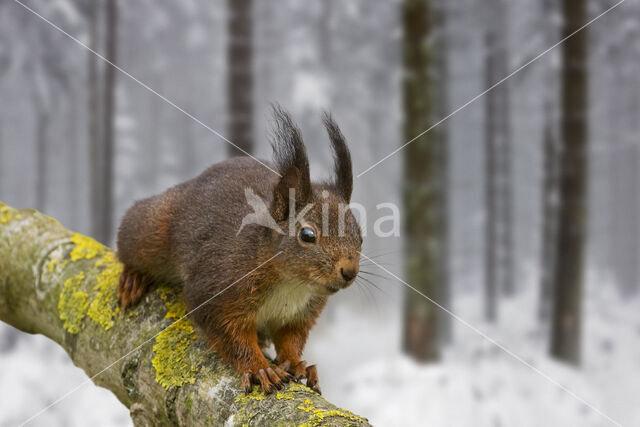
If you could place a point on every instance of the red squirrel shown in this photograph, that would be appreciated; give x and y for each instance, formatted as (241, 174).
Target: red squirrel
(193, 236)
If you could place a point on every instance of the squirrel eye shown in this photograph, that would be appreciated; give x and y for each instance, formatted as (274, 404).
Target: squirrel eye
(307, 235)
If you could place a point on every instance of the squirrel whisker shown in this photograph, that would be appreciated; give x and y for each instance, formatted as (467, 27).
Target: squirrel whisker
(373, 274)
(367, 281)
(367, 291)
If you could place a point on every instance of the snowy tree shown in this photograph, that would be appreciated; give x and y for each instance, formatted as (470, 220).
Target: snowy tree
(569, 268)
(421, 193)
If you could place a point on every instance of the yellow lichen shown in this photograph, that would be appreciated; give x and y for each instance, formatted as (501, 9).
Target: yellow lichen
(243, 417)
(166, 293)
(171, 363)
(104, 305)
(73, 304)
(86, 247)
(284, 396)
(176, 309)
(318, 415)
(299, 387)
(256, 394)
(307, 406)
(8, 214)
(51, 266)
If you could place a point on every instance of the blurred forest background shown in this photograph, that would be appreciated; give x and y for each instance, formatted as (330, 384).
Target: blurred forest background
(520, 212)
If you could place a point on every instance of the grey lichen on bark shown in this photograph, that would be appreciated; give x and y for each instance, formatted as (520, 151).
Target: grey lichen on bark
(63, 285)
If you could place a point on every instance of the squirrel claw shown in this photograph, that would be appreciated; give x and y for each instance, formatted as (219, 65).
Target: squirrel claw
(131, 287)
(284, 375)
(268, 379)
(297, 371)
(312, 379)
(274, 378)
(246, 382)
(262, 378)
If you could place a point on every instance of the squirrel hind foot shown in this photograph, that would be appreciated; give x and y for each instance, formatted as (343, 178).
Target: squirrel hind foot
(269, 380)
(300, 371)
(131, 287)
(312, 379)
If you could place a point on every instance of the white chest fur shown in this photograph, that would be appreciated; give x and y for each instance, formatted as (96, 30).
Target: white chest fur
(285, 303)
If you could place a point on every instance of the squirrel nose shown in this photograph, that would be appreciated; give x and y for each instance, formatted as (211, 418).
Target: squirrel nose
(348, 273)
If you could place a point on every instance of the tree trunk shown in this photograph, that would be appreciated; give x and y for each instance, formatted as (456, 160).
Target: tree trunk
(568, 277)
(633, 112)
(549, 213)
(63, 285)
(102, 123)
(491, 208)
(189, 164)
(421, 199)
(624, 175)
(42, 128)
(441, 74)
(155, 133)
(94, 90)
(240, 75)
(72, 148)
(505, 181)
(550, 174)
(111, 28)
(499, 274)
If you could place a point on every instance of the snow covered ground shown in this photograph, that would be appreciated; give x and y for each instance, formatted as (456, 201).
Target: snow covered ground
(361, 368)
(481, 385)
(36, 372)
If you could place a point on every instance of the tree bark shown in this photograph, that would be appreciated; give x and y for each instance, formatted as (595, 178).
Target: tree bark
(94, 90)
(63, 285)
(568, 277)
(42, 130)
(550, 173)
(491, 208)
(439, 22)
(624, 174)
(102, 122)
(505, 181)
(423, 251)
(240, 75)
(111, 24)
(549, 214)
(499, 256)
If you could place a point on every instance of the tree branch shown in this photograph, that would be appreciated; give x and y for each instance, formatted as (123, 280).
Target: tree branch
(63, 285)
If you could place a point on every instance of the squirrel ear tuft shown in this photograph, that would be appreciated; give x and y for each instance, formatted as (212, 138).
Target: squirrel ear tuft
(289, 152)
(280, 206)
(341, 158)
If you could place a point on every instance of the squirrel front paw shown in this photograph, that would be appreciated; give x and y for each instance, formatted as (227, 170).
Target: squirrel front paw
(300, 371)
(269, 379)
(131, 287)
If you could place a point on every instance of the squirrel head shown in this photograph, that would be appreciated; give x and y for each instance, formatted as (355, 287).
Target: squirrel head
(322, 239)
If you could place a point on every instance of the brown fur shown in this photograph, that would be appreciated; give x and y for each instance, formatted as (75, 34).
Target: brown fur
(187, 237)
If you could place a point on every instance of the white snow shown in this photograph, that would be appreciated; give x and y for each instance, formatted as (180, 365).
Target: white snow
(479, 384)
(37, 372)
